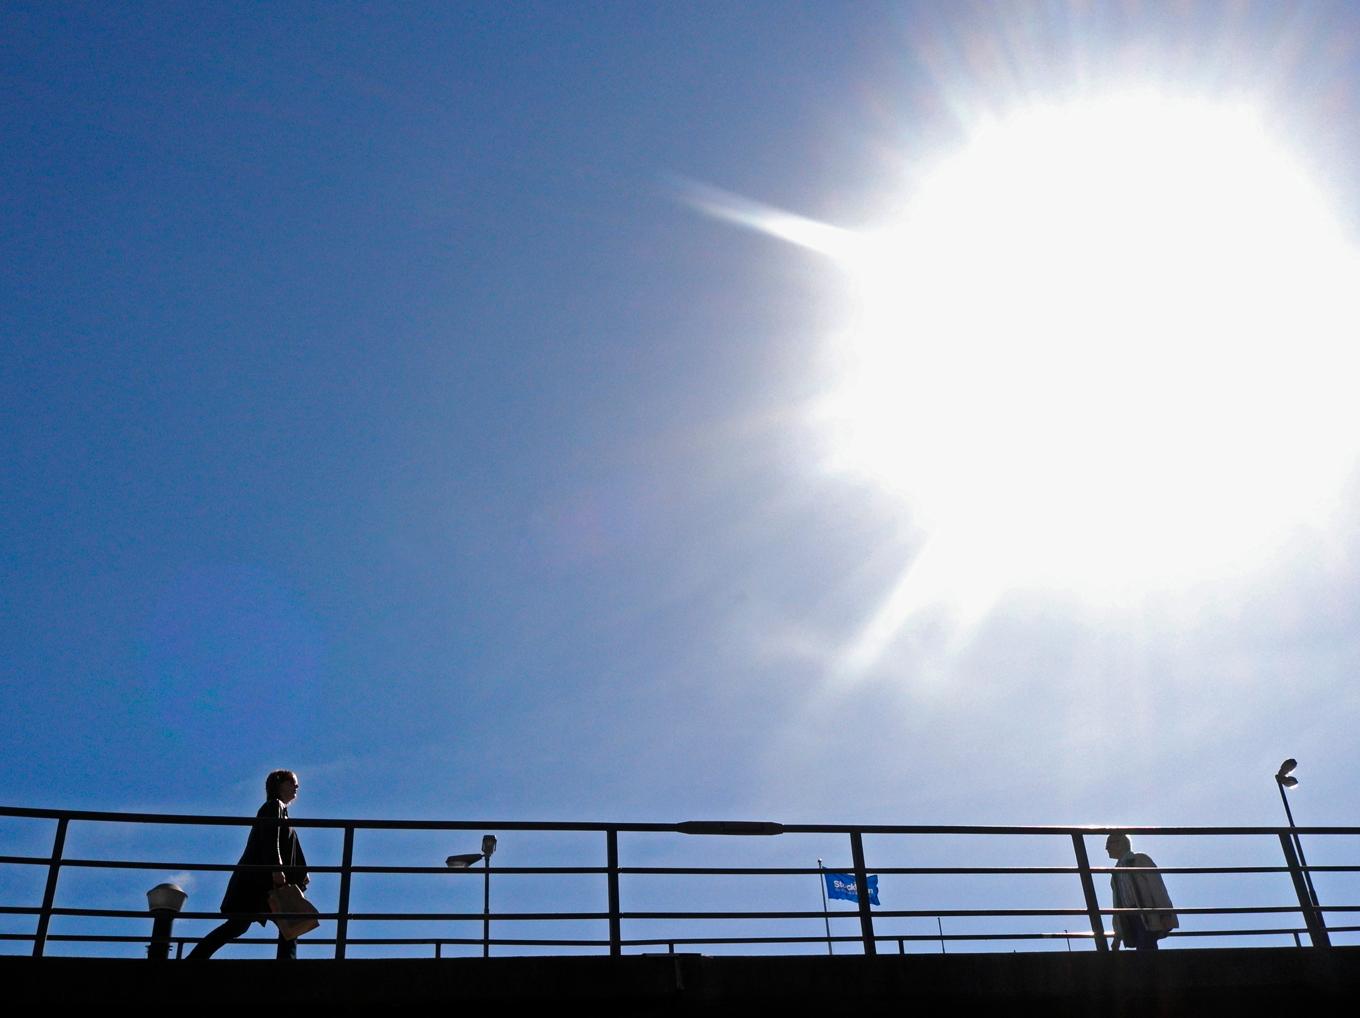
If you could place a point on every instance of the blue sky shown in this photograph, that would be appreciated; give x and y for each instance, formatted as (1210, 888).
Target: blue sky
(378, 402)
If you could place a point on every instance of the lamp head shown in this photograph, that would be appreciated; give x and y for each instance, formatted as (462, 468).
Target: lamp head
(166, 897)
(488, 845)
(462, 862)
(1283, 776)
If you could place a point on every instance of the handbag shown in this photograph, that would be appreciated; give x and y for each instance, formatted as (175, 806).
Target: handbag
(290, 899)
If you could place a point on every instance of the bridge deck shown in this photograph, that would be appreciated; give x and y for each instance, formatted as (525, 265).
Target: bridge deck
(1168, 982)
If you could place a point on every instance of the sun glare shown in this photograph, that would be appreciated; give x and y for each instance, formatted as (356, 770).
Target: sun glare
(1107, 343)
(1106, 348)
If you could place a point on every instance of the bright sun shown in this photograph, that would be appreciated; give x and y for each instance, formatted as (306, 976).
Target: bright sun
(1108, 343)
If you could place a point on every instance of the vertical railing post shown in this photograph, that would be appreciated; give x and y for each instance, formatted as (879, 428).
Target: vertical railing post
(50, 892)
(615, 937)
(342, 923)
(866, 918)
(1088, 888)
(1312, 916)
(486, 904)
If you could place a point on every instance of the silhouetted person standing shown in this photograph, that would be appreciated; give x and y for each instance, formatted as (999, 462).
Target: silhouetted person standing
(269, 844)
(1145, 891)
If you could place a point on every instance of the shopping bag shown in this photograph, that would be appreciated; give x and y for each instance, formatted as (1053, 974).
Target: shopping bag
(290, 899)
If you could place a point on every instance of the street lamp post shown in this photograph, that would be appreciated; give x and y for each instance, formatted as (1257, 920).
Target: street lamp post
(488, 849)
(1284, 778)
(466, 861)
(165, 901)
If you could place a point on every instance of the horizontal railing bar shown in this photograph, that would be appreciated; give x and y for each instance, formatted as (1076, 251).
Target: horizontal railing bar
(676, 828)
(883, 937)
(463, 941)
(977, 912)
(657, 941)
(120, 913)
(139, 864)
(1083, 829)
(1302, 931)
(934, 938)
(76, 938)
(95, 913)
(670, 870)
(961, 870)
(478, 916)
(983, 912)
(95, 816)
(1220, 869)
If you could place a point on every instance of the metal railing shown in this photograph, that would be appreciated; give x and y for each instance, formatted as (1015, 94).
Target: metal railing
(614, 915)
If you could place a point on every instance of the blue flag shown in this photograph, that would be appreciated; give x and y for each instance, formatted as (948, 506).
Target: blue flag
(842, 885)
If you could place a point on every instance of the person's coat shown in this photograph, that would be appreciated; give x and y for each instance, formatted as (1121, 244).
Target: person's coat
(1144, 891)
(268, 845)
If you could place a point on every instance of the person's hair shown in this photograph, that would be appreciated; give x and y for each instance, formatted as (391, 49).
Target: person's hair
(275, 779)
(1118, 838)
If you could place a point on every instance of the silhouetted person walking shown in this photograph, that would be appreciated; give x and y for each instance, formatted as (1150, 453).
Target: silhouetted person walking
(269, 844)
(1146, 891)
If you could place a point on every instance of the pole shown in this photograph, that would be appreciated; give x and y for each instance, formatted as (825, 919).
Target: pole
(50, 892)
(1312, 918)
(346, 867)
(612, 865)
(866, 918)
(1088, 890)
(1298, 845)
(162, 920)
(486, 907)
(826, 913)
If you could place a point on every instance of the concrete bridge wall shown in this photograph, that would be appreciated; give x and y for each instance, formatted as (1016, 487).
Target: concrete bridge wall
(1169, 982)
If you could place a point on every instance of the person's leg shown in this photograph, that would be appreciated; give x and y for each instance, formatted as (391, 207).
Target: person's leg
(229, 930)
(287, 949)
(1143, 938)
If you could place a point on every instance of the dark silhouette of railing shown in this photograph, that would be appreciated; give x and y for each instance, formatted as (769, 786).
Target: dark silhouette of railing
(1311, 915)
